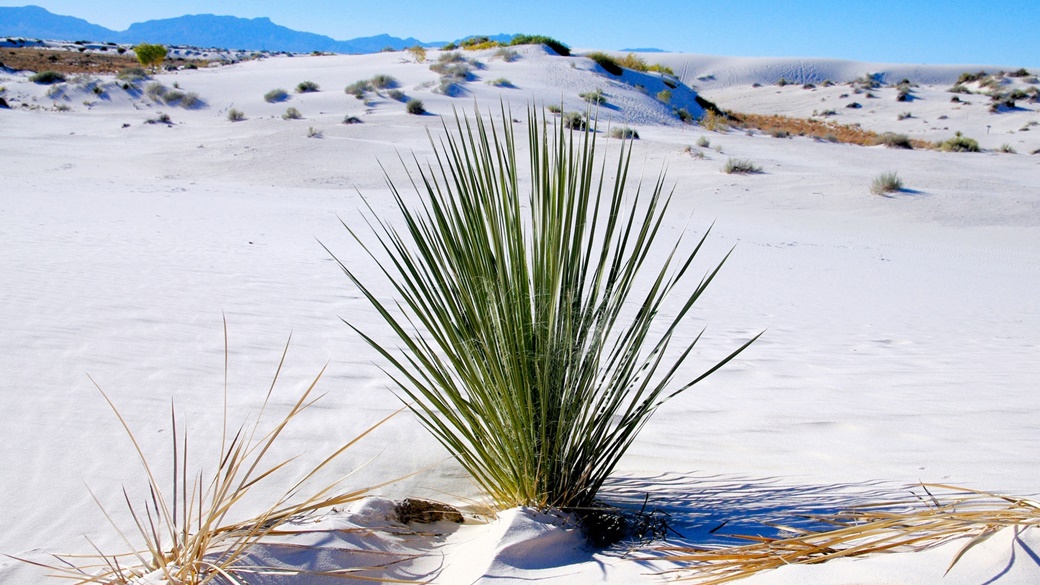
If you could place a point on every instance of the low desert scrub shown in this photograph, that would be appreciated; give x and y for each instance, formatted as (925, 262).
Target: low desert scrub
(939, 515)
(893, 140)
(234, 115)
(594, 97)
(574, 121)
(47, 77)
(868, 81)
(1007, 149)
(500, 82)
(904, 116)
(132, 74)
(624, 132)
(556, 46)
(313, 132)
(637, 63)
(607, 62)
(703, 142)
(714, 122)
(396, 95)
(664, 96)
(292, 113)
(506, 54)
(554, 109)
(351, 120)
(685, 115)
(813, 128)
(509, 333)
(418, 53)
(383, 81)
(885, 183)
(741, 166)
(415, 107)
(150, 55)
(194, 534)
(358, 88)
(307, 87)
(959, 143)
(276, 95)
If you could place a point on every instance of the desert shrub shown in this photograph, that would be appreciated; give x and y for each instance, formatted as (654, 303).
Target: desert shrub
(156, 91)
(664, 95)
(740, 166)
(888, 182)
(307, 87)
(715, 122)
(703, 142)
(313, 132)
(48, 77)
(904, 95)
(554, 109)
(508, 334)
(150, 55)
(506, 54)
(574, 121)
(292, 113)
(607, 62)
(782, 82)
(132, 74)
(868, 81)
(396, 95)
(276, 95)
(162, 118)
(384, 81)
(1023, 72)
(450, 57)
(351, 120)
(893, 140)
(594, 97)
(959, 88)
(358, 88)
(904, 116)
(968, 77)
(500, 82)
(685, 115)
(777, 133)
(557, 47)
(235, 115)
(414, 107)
(637, 63)
(1007, 149)
(825, 113)
(624, 132)
(418, 53)
(959, 143)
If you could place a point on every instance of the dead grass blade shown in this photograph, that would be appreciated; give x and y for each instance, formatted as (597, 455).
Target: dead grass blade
(910, 526)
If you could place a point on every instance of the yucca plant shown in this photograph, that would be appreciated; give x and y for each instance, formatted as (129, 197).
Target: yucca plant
(194, 534)
(534, 342)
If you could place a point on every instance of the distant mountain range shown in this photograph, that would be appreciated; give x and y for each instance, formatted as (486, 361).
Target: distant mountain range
(200, 30)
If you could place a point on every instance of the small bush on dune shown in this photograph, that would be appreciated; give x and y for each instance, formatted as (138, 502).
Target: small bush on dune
(574, 121)
(626, 132)
(893, 140)
(292, 113)
(415, 107)
(554, 109)
(557, 47)
(888, 182)
(508, 335)
(500, 82)
(418, 53)
(150, 55)
(506, 54)
(664, 96)
(384, 81)
(313, 132)
(307, 87)
(1007, 149)
(48, 77)
(358, 88)
(132, 74)
(959, 143)
(740, 166)
(234, 115)
(396, 95)
(607, 62)
(276, 95)
(703, 142)
(594, 97)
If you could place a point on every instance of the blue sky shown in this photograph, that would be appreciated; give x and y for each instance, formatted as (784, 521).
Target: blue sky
(901, 31)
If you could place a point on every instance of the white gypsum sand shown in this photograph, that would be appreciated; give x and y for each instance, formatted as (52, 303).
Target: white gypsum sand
(902, 335)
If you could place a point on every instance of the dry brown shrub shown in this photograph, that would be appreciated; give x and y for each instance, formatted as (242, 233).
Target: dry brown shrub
(821, 129)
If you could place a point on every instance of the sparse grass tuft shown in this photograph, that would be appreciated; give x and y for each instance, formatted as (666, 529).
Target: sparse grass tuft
(703, 142)
(235, 115)
(893, 140)
(292, 113)
(358, 88)
(276, 95)
(506, 54)
(509, 334)
(594, 97)
(554, 108)
(384, 81)
(414, 107)
(887, 182)
(500, 82)
(307, 87)
(396, 95)
(1007, 149)
(740, 166)
(664, 96)
(624, 132)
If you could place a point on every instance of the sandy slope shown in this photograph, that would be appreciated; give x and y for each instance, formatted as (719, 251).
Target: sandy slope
(901, 336)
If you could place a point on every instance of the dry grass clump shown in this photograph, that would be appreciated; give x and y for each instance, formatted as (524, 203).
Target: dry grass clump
(822, 129)
(885, 183)
(235, 115)
(276, 95)
(194, 535)
(741, 166)
(307, 87)
(920, 524)
(415, 107)
(292, 113)
(624, 132)
(596, 97)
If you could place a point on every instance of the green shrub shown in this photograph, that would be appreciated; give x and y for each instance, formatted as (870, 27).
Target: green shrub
(888, 182)
(556, 46)
(968, 77)
(959, 143)
(418, 53)
(685, 115)
(594, 97)
(48, 77)
(703, 142)
(292, 113)
(510, 334)
(235, 115)
(893, 140)
(150, 55)
(307, 87)
(554, 109)
(624, 132)
(132, 74)
(500, 82)
(384, 81)
(396, 95)
(740, 166)
(414, 107)
(156, 91)
(608, 63)
(506, 54)
(276, 95)
(313, 132)
(574, 121)
(358, 88)
(664, 95)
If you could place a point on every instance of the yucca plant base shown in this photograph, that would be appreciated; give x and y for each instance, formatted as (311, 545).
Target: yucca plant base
(508, 336)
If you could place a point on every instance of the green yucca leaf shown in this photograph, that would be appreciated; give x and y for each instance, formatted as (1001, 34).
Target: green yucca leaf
(521, 320)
